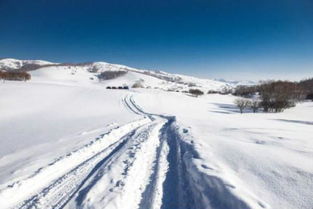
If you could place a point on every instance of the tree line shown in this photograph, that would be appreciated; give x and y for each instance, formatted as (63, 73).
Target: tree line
(15, 76)
(273, 96)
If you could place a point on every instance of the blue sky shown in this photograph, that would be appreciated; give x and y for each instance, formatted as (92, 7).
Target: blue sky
(232, 39)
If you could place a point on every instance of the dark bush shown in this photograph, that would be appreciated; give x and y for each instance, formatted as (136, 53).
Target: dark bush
(213, 92)
(191, 85)
(307, 86)
(275, 96)
(245, 91)
(107, 75)
(196, 92)
(279, 95)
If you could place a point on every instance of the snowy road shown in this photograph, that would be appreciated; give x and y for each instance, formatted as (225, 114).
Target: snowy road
(143, 164)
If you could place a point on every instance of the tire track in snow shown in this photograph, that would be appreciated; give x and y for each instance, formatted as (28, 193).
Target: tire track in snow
(52, 184)
(151, 196)
(171, 183)
(124, 175)
(145, 164)
(62, 190)
(183, 185)
(77, 181)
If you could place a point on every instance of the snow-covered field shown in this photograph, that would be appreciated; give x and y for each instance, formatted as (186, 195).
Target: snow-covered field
(68, 142)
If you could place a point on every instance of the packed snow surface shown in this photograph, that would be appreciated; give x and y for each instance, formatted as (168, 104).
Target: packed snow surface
(69, 142)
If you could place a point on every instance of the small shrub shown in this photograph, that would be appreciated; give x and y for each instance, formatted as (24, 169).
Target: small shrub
(307, 86)
(191, 85)
(196, 92)
(213, 92)
(107, 75)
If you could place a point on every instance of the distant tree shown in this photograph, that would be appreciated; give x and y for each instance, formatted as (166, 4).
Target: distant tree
(275, 96)
(279, 95)
(27, 76)
(191, 85)
(107, 75)
(245, 91)
(17, 76)
(254, 105)
(1, 75)
(196, 92)
(213, 92)
(242, 103)
(307, 87)
(227, 90)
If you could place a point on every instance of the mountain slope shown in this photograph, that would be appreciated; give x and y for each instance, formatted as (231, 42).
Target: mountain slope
(10, 64)
(89, 72)
(69, 142)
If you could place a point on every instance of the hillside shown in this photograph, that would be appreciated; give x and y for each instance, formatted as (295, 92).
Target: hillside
(89, 72)
(69, 142)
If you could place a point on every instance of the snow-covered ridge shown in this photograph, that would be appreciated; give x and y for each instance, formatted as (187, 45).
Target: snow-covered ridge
(15, 64)
(88, 72)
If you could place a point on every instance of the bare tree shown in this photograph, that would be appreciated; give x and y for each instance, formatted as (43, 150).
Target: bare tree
(242, 103)
(254, 105)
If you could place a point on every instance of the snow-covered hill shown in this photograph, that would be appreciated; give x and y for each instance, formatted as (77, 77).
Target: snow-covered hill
(88, 73)
(66, 141)
(10, 64)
